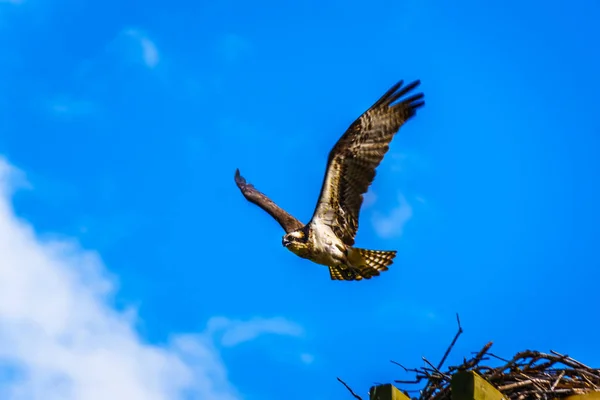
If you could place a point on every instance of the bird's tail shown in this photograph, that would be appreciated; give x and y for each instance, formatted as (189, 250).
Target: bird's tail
(370, 263)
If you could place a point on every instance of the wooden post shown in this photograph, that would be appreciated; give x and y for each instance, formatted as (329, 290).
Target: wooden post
(467, 385)
(386, 392)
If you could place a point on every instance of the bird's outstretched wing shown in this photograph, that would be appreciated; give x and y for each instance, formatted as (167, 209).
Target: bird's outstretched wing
(287, 222)
(352, 161)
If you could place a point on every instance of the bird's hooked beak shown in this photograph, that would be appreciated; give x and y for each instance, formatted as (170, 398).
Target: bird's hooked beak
(285, 241)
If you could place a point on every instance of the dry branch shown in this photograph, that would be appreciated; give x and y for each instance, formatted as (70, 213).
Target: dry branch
(528, 375)
(349, 389)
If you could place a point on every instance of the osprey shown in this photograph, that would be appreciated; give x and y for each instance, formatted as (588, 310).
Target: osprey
(328, 239)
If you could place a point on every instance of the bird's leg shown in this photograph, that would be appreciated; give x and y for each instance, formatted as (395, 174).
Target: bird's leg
(350, 273)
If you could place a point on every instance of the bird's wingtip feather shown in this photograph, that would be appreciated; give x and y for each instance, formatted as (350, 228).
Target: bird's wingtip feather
(239, 179)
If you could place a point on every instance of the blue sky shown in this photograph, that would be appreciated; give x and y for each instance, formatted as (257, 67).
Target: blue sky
(132, 267)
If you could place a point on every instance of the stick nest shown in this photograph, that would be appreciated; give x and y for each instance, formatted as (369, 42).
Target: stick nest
(528, 375)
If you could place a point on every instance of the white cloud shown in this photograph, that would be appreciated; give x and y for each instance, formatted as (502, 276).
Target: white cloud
(149, 52)
(397, 161)
(307, 358)
(420, 199)
(129, 46)
(369, 198)
(235, 332)
(60, 337)
(146, 48)
(392, 224)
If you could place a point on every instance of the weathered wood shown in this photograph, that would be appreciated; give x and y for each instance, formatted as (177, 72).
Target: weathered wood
(467, 385)
(587, 396)
(386, 392)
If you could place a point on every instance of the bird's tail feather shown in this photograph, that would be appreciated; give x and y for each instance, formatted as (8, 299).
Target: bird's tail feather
(368, 263)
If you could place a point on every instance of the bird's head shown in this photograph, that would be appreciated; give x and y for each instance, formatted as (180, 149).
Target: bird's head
(295, 241)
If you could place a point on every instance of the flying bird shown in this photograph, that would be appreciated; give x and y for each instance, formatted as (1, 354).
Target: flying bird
(328, 239)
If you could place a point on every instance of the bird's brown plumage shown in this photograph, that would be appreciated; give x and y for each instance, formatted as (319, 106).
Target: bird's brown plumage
(287, 222)
(352, 161)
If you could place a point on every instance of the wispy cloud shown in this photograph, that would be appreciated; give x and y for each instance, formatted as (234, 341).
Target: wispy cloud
(65, 106)
(61, 338)
(148, 52)
(234, 332)
(369, 198)
(307, 358)
(392, 224)
(96, 74)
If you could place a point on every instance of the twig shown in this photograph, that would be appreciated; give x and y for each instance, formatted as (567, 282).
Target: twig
(562, 373)
(349, 389)
(499, 358)
(516, 385)
(436, 370)
(400, 365)
(449, 349)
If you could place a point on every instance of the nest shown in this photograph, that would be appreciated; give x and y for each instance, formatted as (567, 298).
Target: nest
(528, 375)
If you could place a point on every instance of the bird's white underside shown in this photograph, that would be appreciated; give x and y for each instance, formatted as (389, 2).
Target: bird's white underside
(327, 247)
